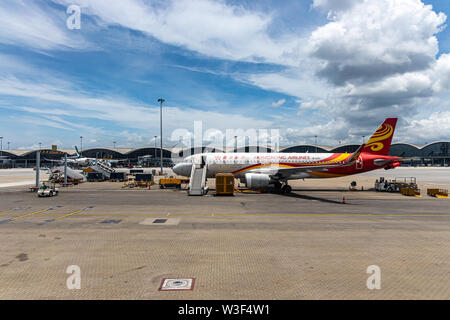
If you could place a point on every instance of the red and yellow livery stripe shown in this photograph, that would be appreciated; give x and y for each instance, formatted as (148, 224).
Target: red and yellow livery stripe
(335, 158)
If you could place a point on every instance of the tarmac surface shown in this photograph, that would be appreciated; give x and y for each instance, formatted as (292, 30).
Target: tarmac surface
(307, 245)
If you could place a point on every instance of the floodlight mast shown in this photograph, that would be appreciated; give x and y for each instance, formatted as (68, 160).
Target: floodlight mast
(161, 100)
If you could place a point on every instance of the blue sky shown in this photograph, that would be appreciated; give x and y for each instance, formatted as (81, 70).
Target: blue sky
(304, 67)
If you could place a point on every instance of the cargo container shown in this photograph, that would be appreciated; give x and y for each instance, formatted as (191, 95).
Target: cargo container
(94, 176)
(224, 184)
(143, 177)
(117, 176)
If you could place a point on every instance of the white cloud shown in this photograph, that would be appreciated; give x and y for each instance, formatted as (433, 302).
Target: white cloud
(378, 58)
(127, 113)
(293, 81)
(26, 23)
(375, 39)
(312, 105)
(212, 28)
(278, 103)
(327, 133)
(433, 128)
(440, 74)
(333, 5)
(375, 58)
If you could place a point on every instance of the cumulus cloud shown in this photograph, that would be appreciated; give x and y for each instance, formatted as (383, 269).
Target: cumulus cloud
(440, 74)
(435, 127)
(379, 57)
(376, 39)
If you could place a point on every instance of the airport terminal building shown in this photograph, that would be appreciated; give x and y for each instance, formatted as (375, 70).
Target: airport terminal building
(433, 154)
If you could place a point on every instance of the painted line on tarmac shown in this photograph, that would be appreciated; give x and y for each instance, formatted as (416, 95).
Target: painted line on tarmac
(301, 214)
(72, 213)
(7, 211)
(14, 209)
(28, 214)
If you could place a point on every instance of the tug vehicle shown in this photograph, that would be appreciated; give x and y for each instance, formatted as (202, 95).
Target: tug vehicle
(47, 189)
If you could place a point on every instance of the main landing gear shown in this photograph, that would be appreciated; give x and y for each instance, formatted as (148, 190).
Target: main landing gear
(282, 188)
(286, 189)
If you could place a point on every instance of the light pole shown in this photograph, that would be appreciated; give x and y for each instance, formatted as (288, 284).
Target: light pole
(155, 148)
(363, 139)
(40, 144)
(1, 149)
(114, 142)
(315, 142)
(235, 143)
(8, 145)
(160, 100)
(81, 145)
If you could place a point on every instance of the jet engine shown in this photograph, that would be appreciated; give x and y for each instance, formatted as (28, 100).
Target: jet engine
(257, 180)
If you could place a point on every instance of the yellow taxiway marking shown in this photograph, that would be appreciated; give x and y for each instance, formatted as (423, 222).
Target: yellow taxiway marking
(29, 214)
(69, 214)
(7, 211)
(262, 214)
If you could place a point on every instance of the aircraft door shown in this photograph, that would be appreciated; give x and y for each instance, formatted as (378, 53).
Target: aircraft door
(359, 163)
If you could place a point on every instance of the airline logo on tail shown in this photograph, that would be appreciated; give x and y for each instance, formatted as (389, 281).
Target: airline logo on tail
(380, 141)
(78, 153)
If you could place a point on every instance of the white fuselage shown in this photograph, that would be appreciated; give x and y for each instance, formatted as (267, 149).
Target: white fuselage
(240, 163)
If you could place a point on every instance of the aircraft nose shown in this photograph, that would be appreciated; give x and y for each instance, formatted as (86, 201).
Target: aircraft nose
(176, 168)
(182, 169)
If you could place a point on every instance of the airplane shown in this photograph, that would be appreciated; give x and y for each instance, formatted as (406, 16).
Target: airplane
(79, 160)
(84, 161)
(109, 162)
(260, 170)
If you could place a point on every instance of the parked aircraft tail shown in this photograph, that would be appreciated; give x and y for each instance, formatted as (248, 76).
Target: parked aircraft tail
(78, 153)
(380, 142)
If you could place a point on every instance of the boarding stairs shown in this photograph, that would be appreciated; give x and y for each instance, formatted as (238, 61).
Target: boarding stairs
(71, 174)
(197, 182)
(100, 167)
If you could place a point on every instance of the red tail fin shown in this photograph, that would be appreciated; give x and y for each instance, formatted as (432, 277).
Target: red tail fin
(380, 141)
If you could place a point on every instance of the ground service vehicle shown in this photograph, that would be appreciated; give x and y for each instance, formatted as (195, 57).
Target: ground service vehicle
(47, 189)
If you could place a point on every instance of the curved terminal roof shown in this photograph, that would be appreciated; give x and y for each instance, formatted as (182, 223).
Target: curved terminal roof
(404, 149)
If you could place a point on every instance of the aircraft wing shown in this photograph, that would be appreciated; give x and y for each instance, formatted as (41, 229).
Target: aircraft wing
(280, 172)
